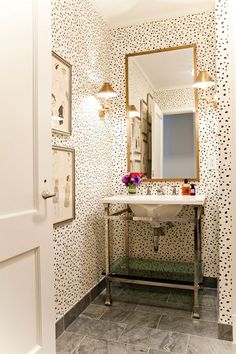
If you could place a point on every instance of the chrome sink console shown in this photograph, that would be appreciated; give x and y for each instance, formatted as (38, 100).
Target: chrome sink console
(155, 210)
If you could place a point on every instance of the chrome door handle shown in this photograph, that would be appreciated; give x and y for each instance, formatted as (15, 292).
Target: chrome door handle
(47, 194)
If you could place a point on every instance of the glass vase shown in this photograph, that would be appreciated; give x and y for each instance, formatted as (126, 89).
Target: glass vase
(132, 189)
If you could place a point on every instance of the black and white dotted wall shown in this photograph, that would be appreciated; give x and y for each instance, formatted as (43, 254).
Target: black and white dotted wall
(82, 38)
(175, 99)
(225, 159)
(198, 29)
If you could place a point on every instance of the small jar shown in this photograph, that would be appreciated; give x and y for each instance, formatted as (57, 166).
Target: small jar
(192, 189)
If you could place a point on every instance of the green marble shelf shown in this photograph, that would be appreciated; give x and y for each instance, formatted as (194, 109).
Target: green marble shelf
(155, 269)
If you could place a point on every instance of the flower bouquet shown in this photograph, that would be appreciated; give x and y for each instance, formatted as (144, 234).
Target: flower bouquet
(132, 180)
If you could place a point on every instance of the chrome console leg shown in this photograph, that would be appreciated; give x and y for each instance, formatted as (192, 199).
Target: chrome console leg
(197, 251)
(108, 292)
(127, 242)
(107, 256)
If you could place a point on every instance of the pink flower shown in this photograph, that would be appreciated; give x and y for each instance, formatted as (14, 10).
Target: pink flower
(133, 178)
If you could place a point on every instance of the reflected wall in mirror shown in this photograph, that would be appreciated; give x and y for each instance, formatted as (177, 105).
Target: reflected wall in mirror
(163, 138)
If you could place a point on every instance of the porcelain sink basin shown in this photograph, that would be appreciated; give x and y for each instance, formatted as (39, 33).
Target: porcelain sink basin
(156, 206)
(155, 210)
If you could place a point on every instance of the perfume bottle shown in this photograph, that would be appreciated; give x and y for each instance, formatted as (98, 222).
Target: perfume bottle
(186, 187)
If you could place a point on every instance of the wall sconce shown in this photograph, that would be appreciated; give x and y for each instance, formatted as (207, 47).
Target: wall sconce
(105, 92)
(203, 82)
(132, 111)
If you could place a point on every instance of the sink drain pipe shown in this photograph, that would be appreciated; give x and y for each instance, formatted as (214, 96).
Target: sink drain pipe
(157, 233)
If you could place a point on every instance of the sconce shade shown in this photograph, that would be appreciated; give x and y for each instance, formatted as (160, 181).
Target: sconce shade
(132, 111)
(203, 80)
(106, 91)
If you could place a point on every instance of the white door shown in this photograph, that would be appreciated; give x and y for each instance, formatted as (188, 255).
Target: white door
(157, 143)
(26, 265)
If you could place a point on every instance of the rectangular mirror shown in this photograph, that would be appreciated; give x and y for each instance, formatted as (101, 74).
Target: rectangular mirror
(162, 129)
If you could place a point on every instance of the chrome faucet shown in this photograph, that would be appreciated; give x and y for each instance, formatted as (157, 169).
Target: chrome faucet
(160, 191)
(148, 190)
(174, 190)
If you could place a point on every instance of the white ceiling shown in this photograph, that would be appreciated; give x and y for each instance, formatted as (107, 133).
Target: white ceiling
(167, 70)
(127, 12)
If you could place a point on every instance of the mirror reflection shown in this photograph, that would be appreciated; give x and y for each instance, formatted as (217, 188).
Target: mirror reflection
(162, 130)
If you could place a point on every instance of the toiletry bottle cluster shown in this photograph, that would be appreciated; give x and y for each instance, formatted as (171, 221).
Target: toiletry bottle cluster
(188, 189)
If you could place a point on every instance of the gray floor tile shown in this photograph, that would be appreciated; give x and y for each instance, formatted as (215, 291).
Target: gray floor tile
(100, 346)
(68, 342)
(168, 341)
(115, 314)
(210, 292)
(129, 306)
(97, 328)
(179, 306)
(124, 348)
(93, 311)
(209, 346)
(209, 314)
(129, 298)
(100, 299)
(225, 331)
(116, 290)
(146, 320)
(208, 301)
(183, 298)
(117, 301)
(190, 326)
(154, 299)
(143, 319)
(92, 346)
(136, 335)
(145, 297)
(164, 310)
(154, 351)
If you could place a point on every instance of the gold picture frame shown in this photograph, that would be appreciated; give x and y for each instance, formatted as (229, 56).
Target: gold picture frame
(149, 108)
(143, 116)
(63, 162)
(61, 95)
(129, 55)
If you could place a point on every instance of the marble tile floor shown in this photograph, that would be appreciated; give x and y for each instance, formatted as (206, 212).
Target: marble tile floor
(146, 320)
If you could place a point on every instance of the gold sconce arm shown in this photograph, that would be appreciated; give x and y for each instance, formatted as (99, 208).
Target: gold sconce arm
(102, 111)
(203, 82)
(209, 100)
(212, 101)
(105, 92)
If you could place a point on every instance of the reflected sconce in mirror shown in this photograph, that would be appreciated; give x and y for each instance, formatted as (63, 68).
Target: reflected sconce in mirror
(203, 82)
(132, 111)
(106, 92)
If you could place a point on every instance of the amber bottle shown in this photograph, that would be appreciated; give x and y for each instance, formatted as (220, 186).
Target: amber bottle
(186, 188)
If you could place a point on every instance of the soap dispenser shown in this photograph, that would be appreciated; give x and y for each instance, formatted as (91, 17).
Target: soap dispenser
(186, 187)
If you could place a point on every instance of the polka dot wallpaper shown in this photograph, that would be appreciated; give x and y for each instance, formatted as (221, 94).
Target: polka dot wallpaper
(198, 29)
(82, 38)
(97, 54)
(225, 160)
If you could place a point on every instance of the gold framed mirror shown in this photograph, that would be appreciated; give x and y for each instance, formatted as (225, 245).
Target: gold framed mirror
(162, 114)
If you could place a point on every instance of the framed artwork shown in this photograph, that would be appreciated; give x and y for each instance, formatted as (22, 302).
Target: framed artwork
(135, 165)
(61, 95)
(63, 162)
(144, 161)
(149, 107)
(143, 116)
(136, 135)
(149, 145)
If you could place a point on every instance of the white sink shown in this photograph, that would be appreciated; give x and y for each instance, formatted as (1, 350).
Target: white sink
(156, 199)
(156, 206)
(155, 211)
